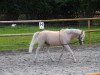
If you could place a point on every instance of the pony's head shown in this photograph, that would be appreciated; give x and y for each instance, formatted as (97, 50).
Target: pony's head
(81, 37)
(75, 33)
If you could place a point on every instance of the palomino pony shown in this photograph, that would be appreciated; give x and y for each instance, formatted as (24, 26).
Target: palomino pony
(56, 38)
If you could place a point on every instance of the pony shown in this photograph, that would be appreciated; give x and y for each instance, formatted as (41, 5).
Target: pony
(56, 38)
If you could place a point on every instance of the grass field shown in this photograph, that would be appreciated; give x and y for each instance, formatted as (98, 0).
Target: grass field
(22, 42)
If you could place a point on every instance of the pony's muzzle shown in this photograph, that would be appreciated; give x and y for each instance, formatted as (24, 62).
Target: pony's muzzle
(80, 41)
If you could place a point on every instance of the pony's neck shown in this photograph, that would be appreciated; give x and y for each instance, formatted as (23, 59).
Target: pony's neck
(74, 31)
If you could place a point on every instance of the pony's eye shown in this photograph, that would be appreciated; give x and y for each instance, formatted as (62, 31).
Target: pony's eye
(80, 37)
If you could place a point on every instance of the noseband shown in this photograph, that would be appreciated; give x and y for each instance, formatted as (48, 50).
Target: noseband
(80, 41)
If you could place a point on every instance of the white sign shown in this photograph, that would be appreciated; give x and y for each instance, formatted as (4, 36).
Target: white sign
(41, 25)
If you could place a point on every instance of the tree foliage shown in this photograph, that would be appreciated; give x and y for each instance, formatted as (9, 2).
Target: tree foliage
(48, 9)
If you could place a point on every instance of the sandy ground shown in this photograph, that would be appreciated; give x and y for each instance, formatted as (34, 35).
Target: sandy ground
(22, 63)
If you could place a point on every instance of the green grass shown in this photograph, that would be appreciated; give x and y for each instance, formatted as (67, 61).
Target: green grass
(15, 42)
(18, 29)
(22, 42)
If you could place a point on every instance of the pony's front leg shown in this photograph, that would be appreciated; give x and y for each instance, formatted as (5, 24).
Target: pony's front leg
(49, 53)
(69, 49)
(61, 53)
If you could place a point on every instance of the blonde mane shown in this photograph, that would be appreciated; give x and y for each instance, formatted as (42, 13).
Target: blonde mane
(76, 31)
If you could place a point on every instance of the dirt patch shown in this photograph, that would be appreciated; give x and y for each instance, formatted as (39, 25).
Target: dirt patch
(22, 63)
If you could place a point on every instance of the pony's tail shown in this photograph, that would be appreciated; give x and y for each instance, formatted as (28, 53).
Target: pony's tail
(34, 40)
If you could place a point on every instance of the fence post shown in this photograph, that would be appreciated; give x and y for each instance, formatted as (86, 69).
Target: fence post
(89, 36)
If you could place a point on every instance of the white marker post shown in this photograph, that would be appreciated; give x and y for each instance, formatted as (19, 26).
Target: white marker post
(41, 25)
(13, 25)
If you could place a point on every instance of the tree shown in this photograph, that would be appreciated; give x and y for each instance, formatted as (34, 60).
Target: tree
(48, 9)
(88, 8)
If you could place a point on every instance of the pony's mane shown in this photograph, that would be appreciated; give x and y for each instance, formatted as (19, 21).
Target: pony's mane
(73, 30)
(69, 30)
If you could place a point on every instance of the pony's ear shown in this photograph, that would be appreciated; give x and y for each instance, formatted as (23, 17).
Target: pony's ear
(83, 32)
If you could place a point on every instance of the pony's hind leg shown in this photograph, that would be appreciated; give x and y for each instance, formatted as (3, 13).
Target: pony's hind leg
(37, 51)
(69, 49)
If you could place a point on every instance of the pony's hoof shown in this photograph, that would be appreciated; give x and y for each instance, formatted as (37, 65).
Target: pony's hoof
(29, 53)
(75, 61)
(52, 60)
(34, 62)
